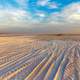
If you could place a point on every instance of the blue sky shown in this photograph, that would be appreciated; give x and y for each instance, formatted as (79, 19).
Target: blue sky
(28, 13)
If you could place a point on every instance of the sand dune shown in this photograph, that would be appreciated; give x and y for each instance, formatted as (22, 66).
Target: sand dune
(32, 58)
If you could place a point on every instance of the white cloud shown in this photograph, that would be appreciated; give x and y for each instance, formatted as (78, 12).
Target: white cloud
(42, 2)
(47, 3)
(19, 17)
(52, 5)
(14, 17)
(42, 15)
(21, 2)
(71, 13)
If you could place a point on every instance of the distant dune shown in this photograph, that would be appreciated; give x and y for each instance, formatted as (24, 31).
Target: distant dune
(58, 36)
(44, 36)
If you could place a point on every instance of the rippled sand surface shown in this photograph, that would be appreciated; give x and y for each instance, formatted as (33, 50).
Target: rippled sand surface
(26, 58)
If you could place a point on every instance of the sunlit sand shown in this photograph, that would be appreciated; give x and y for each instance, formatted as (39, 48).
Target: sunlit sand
(39, 57)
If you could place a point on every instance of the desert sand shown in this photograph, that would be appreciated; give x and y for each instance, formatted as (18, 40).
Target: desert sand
(42, 57)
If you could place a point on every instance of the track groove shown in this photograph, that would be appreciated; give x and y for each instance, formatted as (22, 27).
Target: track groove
(41, 60)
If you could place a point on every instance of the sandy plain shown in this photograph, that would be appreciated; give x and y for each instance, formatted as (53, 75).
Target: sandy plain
(41, 57)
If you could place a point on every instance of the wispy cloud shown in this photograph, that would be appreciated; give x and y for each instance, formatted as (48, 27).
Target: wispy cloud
(13, 17)
(47, 3)
(42, 2)
(71, 13)
(22, 3)
(44, 12)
